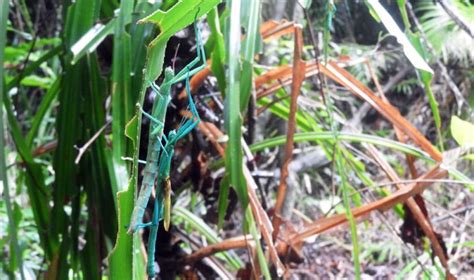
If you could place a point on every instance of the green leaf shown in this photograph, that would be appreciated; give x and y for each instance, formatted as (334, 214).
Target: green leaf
(218, 52)
(341, 170)
(403, 11)
(15, 256)
(233, 119)
(81, 113)
(126, 249)
(248, 51)
(34, 66)
(89, 41)
(122, 103)
(170, 22)
(17, 214)
(458, 175)
(38, 194)
(462, 131)
(45, 105)
(469, 157)
(426, 78)
(37, 81)
(256, 236)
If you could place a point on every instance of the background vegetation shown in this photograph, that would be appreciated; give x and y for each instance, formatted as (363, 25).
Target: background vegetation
(315, 114)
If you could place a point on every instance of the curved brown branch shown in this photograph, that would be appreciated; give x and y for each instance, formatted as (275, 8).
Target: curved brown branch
(383, 204)
(240, 242)
(422, 220)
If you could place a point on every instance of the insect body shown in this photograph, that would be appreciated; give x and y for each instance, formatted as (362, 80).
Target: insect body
(162, 205)
(160, 152)
(157, 118)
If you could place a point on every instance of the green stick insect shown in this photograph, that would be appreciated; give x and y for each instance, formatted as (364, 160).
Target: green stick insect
(159, 156)
(157, 117)
(163, 194)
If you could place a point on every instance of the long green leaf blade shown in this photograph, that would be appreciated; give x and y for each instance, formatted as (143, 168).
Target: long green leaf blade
(15, 255)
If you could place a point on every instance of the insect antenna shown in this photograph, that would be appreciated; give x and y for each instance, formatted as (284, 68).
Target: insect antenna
(174, 57)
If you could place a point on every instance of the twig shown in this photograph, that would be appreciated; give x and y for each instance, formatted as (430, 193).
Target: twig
(84, 148)
(298, 78)
(451, 213)
(420, 217)
(228, 244)
(345, 79)
(382, 204)
(261, 217)
(211, 261)
(254, 168)
(414, 181)
(400, 135)
(457, 19)
(444, 71)
(316, 55)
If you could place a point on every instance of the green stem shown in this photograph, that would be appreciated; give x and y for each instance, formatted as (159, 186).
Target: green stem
(347, 206)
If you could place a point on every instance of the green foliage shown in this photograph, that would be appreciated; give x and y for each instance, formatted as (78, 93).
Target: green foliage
(233, 118)
(15, 260)
(251, 23)
(67, 216)
(218, 55)
(462, 131)
(444, 34)
(406, 86)
(200, 226)
(178, 17)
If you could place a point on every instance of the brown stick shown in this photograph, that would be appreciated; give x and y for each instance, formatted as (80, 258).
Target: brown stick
(400, 135)
(298, 78)
(344, 78)
(383, 204)
(413, 206)
(261, 217)
(239, 242)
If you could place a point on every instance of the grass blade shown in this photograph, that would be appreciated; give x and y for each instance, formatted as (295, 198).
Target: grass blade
(233, 119)
(15, 254)
(218, 55)
(38, 194)
(353, 137)
(248, 52)
(122, 106)
(43, 108)
(89, 42)
(347, 206)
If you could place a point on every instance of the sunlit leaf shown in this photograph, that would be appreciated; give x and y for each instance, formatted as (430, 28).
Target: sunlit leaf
(462, 131)
(176, 18)
(89, 42)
